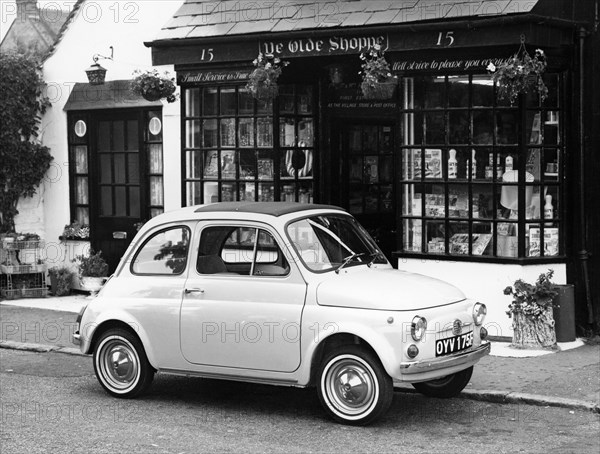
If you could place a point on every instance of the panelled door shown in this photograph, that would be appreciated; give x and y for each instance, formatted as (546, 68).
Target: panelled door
(117, 187)
(367, 177)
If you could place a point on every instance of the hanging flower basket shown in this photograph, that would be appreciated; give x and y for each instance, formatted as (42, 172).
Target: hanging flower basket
(521, 74)
(377, 79)
(531, 312)
(152, 86)
(262, 83)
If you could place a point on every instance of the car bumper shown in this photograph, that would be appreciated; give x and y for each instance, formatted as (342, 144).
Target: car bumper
(429, 369)
(76, 338)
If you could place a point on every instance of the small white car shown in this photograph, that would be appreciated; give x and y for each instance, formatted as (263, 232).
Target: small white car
(280, 293)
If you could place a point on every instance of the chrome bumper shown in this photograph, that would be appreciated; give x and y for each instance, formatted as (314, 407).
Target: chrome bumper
(76, 338)
(469, 356)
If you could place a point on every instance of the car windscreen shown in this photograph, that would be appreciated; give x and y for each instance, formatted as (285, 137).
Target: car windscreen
(330, 242)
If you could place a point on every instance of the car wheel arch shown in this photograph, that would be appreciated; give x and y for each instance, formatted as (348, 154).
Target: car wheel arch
(332, 342)
(119, 324)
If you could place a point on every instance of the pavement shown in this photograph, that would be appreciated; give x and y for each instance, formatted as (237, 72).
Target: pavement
(568, 376)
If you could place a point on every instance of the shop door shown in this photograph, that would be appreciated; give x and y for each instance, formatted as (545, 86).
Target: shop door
(116, 190)
(367, 188)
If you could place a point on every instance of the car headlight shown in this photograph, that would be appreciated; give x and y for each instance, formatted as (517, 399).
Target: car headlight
(479, 312)
(418, 327)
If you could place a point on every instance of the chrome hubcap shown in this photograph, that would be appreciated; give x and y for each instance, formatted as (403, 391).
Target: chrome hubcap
(119, 364)
(350, 386)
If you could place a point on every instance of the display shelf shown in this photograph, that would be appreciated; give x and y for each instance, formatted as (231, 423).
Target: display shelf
(18, 279)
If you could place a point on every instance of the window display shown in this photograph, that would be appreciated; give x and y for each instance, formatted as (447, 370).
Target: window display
(231, 153)
(469, 184)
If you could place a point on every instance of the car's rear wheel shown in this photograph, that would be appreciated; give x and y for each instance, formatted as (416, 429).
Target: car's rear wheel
(121, 365)
(448, 386)
(353, 386)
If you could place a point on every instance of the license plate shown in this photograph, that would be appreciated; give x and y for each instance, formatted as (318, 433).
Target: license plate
(453, 344)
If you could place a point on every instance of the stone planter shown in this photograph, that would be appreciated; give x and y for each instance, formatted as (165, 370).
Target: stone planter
(534, 333)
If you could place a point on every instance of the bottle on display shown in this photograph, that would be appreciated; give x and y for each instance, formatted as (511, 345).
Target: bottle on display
(452, 164)
(548, 209)
(498, 168)
(508, 163)
(473, 165)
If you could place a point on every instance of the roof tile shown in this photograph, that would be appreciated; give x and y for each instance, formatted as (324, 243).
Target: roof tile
(210, 30)
(356, 19)
(256, 26)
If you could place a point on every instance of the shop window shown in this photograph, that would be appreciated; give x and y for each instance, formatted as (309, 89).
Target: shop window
(480, 178)
(238, 148)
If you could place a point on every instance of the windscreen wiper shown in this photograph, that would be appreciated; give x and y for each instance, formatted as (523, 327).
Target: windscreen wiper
(349, 259)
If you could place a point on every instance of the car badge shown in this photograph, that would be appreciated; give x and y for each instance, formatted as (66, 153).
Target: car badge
(457, 327)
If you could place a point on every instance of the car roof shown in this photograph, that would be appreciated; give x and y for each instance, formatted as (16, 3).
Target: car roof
(268, 208)
(252, 209)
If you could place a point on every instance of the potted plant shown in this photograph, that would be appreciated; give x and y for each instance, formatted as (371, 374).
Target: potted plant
(520, 74)
(76, 232)
(60, 280)
(531, 312)
(262, 82)
(92, 270)
(152, 86)
(377, 79)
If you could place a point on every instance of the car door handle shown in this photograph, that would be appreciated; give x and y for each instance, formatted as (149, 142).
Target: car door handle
(194, 290)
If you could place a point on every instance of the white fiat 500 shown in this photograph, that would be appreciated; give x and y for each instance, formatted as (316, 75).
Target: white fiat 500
(280, 293)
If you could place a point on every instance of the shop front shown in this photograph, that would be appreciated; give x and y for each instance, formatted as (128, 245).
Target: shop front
(450, 180)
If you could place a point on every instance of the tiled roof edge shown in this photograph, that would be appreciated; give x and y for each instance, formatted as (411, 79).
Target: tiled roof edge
(62, 31)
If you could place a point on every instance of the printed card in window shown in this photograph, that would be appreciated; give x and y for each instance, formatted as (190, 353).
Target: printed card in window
(265, 169)
(211, 164)
(433, 163)
(228, 164)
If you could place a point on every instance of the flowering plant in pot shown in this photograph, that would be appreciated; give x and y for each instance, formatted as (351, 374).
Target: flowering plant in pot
(152, 86)
(60, 280)
(92, 270)
(531, 312)
(377, 79)
(521, 74)
(262, 82)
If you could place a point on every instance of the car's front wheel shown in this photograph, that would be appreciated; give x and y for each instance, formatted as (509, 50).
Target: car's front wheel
(353, 386)
(121, 365)
(448, 386)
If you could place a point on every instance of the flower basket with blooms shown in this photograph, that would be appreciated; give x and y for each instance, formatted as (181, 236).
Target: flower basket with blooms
(263, 79)
(76, 232)
(531, 312)
(520, 74)
(152, 86)
(377, 79)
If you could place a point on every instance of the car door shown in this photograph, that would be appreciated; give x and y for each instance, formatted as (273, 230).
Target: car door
(243, 300)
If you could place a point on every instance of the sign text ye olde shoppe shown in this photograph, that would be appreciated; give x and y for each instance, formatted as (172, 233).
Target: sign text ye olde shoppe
(334, 45)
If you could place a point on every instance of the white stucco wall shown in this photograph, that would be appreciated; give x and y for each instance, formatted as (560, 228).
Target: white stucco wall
(485, 282)
(98, 25)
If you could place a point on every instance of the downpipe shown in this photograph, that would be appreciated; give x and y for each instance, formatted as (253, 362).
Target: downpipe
(583, 255)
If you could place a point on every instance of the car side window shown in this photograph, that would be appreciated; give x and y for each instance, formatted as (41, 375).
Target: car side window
(240, 250)
(164, 253)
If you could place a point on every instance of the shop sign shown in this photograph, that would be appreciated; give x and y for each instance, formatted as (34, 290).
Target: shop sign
(445, 64)
(196, 77)
(350, 96)
(322, 46)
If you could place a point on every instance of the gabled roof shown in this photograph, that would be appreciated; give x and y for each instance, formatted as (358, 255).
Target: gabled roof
(206, 18)
(37, 29)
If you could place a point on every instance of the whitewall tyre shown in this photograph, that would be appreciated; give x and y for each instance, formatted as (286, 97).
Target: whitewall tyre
(445, 387)
(121, 365)
(353, 386)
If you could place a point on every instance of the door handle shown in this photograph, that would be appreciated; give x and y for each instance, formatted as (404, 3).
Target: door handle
(194, 290)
